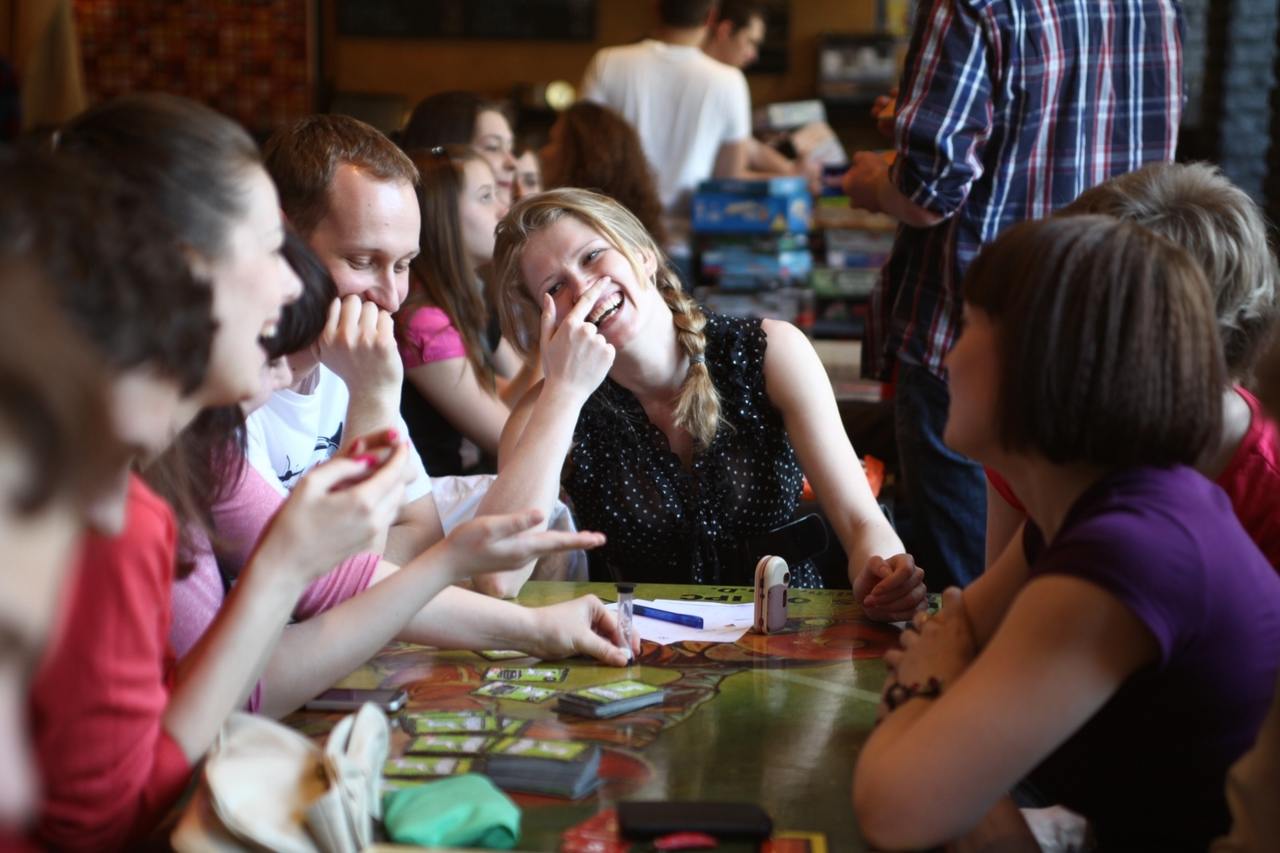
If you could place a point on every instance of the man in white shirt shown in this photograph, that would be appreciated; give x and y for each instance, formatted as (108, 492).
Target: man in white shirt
(350, 384)
(734, 38)
(692, 113)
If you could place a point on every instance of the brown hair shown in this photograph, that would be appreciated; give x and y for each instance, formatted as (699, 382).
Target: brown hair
(1197, 207)
(190, 161)
(446, 118)
(684, 14)
(112, 261)
(739, 12)
(599, 150)
(1106, 341)
(52, 400)
(441, 274)
(697, 407)
(303, 157)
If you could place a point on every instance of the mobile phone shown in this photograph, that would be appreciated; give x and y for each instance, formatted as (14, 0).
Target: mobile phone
(642, 819)
(773, 578)
(347, 699)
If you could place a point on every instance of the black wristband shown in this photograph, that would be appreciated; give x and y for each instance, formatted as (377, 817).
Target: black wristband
(900, 694)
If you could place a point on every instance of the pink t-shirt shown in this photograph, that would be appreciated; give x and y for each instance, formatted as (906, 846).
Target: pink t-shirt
(429, 336)
(1251, 480)
(241, 519)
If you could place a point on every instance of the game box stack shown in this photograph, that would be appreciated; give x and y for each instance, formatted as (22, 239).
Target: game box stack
(852, 245)
(752, 237)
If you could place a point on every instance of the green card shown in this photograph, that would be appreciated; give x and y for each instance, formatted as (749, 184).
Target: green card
(413, 766)
(503, 654)
(450, 744)
(518, 692)
(615, 691)
(443, 722)
(556, 750)
(529, 674)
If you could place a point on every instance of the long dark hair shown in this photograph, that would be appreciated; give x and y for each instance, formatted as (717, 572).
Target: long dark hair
(447, 118)
(441, 274)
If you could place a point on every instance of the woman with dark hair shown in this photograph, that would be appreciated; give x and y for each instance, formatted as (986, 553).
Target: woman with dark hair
(593, 148)
(1089, 373)
(169, 265)
(458, 370)
(56, 454)
(465, 118)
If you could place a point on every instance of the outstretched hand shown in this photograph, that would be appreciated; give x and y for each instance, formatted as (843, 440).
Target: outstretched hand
(497, 543)
(890, 590)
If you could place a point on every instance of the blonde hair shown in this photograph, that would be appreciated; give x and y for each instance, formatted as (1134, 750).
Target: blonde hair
(1197, 207)
(697, 407)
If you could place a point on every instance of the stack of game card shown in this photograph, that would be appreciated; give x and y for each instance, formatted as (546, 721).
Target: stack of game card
(610, 700)
(557, 768)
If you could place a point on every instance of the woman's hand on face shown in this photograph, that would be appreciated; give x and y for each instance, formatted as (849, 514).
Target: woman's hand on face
(498, 543)
(338, 509)
(579, 627)
(575, 356)
(359, 344)
(890, 590)
(939, 646)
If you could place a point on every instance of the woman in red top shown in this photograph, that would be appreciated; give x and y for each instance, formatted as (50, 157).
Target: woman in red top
(51, 452)
(179, 304)
(1197, 207)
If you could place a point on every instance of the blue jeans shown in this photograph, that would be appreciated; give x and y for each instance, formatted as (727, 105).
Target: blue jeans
(946, 492)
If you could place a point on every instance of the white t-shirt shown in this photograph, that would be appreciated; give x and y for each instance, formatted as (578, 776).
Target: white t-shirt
(294, 432)
(682, 103)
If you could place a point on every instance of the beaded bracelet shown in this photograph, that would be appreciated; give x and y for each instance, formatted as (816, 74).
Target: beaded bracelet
(900, 694)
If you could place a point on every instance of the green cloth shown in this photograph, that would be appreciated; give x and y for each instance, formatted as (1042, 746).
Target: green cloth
(460, 811)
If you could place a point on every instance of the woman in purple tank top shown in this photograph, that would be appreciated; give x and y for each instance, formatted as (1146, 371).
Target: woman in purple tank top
(1125, 655)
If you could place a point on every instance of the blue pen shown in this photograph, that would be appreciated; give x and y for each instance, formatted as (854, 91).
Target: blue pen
(668, 616)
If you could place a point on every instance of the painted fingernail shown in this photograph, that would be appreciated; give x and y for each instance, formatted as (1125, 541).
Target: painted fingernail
(393, 435)
(368, 460)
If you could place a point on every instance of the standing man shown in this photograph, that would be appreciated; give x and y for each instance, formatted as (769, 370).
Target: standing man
(692, 113)
(1006, 111)
(734, 38)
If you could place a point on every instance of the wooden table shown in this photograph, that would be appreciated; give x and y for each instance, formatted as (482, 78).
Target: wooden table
(777, 720)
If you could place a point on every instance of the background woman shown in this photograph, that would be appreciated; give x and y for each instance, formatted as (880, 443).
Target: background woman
(679, 433)
(1127, 631)
(458, 369)
(593, 148)
(465, 118)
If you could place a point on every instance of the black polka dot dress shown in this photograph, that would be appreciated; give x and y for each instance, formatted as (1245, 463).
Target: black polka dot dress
(666, 524)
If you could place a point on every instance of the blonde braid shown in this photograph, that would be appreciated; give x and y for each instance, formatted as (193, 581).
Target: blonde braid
(697, 408)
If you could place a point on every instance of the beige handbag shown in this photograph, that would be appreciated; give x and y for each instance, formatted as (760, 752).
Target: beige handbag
(266, 787)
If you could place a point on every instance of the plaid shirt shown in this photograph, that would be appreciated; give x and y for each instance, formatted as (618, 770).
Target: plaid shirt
(1008, 110)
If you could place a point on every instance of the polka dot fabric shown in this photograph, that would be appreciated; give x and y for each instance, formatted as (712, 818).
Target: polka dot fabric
(668, 524)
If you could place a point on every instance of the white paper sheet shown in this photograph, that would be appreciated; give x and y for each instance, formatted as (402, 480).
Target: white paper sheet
(722, 623)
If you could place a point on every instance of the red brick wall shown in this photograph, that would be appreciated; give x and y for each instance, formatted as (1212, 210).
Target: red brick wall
(250, 60)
